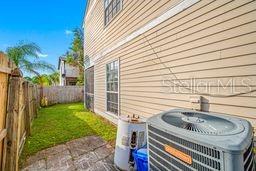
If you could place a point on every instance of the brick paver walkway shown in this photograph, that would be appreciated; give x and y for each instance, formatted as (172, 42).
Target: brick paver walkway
(89, 153)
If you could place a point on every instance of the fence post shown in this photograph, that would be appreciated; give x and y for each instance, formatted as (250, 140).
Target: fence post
(27, 108)
(12, 120)
(36, 101)
(33, 101)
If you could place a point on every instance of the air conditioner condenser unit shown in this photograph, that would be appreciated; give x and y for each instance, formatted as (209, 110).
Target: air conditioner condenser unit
(191, 140)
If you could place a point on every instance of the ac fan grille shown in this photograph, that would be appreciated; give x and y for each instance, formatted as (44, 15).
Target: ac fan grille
(200, 123)
(204, 158)
(249, 158)
(195, 128)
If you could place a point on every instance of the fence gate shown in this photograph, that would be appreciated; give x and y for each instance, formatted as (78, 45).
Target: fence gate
(89, 88)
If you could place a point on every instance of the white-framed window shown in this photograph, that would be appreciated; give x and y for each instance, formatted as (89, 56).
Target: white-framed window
(112, 87)
(111, 8)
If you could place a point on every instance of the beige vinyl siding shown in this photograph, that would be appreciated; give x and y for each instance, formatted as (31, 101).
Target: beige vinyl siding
(132, 17)
(210, 41)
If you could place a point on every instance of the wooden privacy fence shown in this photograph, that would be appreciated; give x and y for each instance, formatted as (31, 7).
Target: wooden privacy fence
(5, 70)
(21, 110)
(63, 94)
(19, 101)
(18, 107)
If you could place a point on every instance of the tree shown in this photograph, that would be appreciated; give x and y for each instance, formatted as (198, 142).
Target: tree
(75, 56)
(45, 79)
(23, 53)
(29, 79)
(54, 78)
(20, 55)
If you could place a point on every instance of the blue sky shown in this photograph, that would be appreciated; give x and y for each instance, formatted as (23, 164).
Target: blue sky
(46, 22)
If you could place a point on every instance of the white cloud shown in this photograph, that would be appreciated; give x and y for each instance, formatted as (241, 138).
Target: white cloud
(68, 32)
(42, 55)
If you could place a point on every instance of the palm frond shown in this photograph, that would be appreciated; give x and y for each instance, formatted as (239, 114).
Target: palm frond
(27, 66)
(33, 67)
(22, 50)
(43, 66)
(15, 54)
(29, 49)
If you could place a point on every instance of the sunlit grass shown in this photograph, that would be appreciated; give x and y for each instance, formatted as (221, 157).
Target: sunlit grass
(64, 122)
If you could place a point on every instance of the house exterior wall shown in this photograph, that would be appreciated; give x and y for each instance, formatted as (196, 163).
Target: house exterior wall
(71, 71)
(68, 73)
(209, 44)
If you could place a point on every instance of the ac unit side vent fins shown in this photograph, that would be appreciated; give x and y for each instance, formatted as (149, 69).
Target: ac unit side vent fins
(249, 159)
(202, 149)
(200, 161)
(197, 164)
(163, 165)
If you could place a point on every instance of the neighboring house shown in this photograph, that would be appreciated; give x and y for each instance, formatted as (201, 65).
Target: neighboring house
(145, 57)
(68, 73)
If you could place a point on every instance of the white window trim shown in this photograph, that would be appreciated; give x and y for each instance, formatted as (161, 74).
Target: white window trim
(121, 8)
(109, 116)
(118, 86)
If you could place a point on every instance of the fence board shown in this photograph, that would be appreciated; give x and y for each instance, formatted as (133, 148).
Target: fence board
(63, 94)
(18, 106)
(3, 101)
(12, 122)
(27, 107)
(5, 69)
(21, 110)
(4, 64)
(19, 103)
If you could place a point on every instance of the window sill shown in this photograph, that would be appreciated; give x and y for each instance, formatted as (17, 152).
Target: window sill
(112, 114)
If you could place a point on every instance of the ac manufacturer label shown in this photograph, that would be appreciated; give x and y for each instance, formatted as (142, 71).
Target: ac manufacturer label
(178, 154)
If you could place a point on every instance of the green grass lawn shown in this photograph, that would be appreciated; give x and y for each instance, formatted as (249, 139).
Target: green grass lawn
(63, 122)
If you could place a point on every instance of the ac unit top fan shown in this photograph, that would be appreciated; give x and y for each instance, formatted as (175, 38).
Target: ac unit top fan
(228, 132)
(190, 140)
(202, 123)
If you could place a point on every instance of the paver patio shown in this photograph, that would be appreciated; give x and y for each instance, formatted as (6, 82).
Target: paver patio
(89, 153)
